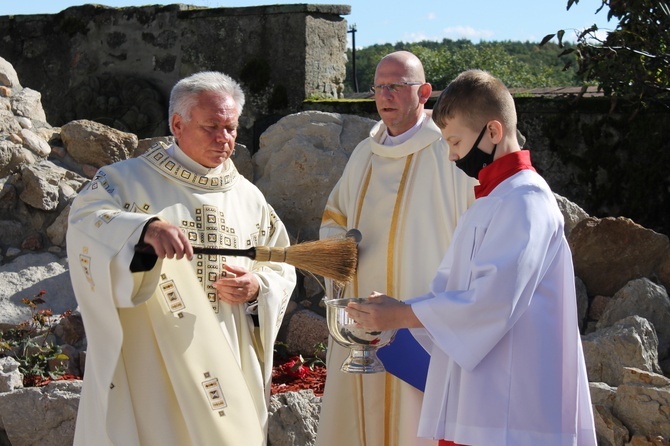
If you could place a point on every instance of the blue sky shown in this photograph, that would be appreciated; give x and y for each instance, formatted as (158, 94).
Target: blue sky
(391, 21)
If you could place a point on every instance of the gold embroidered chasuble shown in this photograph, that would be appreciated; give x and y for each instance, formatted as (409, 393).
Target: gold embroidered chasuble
(406, 200)
(168, 363)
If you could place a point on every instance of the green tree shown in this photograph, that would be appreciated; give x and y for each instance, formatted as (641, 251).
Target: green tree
(632, 62)
(517, 64)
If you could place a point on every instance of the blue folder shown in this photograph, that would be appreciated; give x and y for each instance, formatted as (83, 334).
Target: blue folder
(406, 359)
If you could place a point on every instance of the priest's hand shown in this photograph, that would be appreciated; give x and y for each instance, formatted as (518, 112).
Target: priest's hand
(167, 240)
(237, 286)
(382, 312)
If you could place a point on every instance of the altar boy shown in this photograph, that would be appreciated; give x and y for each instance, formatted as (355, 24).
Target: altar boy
(500, 322)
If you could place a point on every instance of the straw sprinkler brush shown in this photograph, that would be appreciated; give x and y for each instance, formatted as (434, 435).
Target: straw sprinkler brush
(334, 258)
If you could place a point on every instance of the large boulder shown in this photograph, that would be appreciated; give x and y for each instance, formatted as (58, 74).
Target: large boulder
(43, 416)
(630, 342)
(96, 144)
(300, 159)
(610, 252)
(643, 298)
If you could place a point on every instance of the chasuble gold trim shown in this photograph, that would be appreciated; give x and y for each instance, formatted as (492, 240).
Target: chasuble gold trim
(393, 233)
(359, 207)
(158, 157)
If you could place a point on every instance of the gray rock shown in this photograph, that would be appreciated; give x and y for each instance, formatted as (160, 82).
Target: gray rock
(36, 144)
(572, 214)
(57, 231)
(10, 232)
(663, 270)
(8, 122)
(24, 122)
(602, 395)
(306, 329)
(643, 403)
(630, 342)
(28, 103)
(610, 252)
(41, 185)
(643, 298)
(12, 157)
(51, 411)
(609, 430)
(243, 163)
(8, 76)
(293, 418)
(10, 377)
(89, 142)
(25, 277)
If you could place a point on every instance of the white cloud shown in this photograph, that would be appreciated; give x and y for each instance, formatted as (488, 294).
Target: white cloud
(431, 16)
(466, 32)
(418, 37)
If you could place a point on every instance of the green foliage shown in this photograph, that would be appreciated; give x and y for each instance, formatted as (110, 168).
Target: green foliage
(29, 344)
(517, 64)
(282, 352)
(320, 351)
(632, 63)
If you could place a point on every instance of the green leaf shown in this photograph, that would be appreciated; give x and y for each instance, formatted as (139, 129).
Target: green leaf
(560, 35)
(546, 39)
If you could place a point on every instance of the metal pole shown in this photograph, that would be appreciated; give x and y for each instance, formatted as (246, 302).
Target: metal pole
(352, 30)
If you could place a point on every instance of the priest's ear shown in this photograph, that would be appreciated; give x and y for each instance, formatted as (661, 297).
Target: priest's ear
(425, 90)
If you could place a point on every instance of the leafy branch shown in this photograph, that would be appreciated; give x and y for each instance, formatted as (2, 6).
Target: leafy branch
(632, 62)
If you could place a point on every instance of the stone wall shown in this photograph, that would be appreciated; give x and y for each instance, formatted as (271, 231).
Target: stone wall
(117, 65)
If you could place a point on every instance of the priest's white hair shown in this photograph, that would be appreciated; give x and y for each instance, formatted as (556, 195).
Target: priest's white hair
(184, 94)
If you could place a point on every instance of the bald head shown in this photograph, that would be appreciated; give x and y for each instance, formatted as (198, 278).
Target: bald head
(401, 91)
(404, 65)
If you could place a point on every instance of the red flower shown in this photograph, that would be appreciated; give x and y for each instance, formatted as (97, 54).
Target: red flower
(295, 367)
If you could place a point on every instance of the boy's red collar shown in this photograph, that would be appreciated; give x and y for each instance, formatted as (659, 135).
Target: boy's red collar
(501, 169)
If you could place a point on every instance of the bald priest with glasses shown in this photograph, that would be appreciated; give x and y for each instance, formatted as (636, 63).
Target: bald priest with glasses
(405, 196)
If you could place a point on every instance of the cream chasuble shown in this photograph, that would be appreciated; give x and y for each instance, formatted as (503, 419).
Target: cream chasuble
(406, 200)
(168, 363)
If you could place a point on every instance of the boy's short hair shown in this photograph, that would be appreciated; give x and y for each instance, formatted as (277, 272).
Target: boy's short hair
(477, 97)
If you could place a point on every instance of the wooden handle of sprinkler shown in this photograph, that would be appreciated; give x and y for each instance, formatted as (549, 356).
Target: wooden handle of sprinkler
(145, 248)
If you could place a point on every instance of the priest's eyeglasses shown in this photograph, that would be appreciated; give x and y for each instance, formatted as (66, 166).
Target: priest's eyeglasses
(392, 88)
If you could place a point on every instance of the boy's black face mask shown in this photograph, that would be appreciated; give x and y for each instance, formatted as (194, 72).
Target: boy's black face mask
(476, 159)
